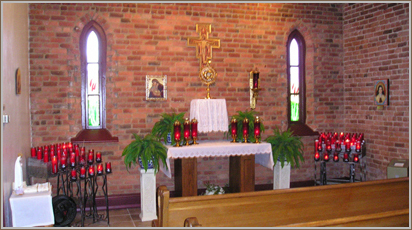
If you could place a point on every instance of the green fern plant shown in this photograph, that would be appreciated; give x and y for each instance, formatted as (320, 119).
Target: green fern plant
(165, 126)
(147, 149)
(240, 116)
(286, 147)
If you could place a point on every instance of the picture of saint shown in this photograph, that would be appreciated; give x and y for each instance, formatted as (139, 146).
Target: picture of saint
(156, 88)
(156, 91)
(381, 93)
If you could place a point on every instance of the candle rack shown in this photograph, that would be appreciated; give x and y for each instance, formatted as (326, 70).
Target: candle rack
(330, 154)
(85, 195)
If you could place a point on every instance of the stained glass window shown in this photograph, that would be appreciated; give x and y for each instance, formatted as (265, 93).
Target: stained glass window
(92, 44)
(296, 77)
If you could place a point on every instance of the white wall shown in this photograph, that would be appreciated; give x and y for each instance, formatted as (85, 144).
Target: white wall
(15, 135)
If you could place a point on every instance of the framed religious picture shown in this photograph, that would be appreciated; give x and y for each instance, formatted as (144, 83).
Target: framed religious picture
(381, 92)
(18, 81)
(156, 88)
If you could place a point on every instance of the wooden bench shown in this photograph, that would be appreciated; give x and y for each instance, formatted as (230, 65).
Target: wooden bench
(371, 204)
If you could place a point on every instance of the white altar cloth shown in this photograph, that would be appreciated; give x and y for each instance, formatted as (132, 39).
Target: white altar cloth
(207, 148)
(32, 209)
(211, 115)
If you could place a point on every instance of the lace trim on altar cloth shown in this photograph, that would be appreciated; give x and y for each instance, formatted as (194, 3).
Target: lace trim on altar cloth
(207, 148)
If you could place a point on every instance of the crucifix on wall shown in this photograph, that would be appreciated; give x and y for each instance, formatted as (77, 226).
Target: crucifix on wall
(204, 46)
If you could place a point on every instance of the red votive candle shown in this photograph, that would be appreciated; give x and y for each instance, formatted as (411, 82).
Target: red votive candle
(326, 156)
(46, 157)
(33, 152)
(194, 128)
(77, 154)
(64, 153)
(338, 147)
(108, 167)
(335, 157)
(90, 158)
(63, 162)
(91, 170)
(233, 126)
(328, 145)
(347, 145)
(186, 129)
(320, 146)
(54, 164)
(73, 175)
(177, 131)
(355, 158)
(82, 172)
(316, 145)
(360, 137)
(64, 145)
(341, 136)
(345, 157)
(59, 155)
(256, 125)
(98, 157)
(255, 80)
(72, 160)
(358, 146)
(245, 127)
(52, 150)
(39, 154)
(99, 169)
(317, 156)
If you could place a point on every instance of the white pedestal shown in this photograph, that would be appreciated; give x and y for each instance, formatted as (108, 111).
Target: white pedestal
(281, 176)
(147, 195)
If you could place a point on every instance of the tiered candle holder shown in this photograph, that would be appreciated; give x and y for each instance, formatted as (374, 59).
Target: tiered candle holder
(86, 181)
(68, 163)
(351, 149)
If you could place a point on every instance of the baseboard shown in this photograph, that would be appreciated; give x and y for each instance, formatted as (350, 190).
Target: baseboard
(132, 200)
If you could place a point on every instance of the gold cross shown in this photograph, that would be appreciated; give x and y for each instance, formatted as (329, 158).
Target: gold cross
(203, 43)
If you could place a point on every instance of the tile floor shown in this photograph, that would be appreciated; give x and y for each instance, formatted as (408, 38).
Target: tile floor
(118, 218)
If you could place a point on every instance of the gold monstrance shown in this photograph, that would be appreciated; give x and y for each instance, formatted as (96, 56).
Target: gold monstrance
(204, 46)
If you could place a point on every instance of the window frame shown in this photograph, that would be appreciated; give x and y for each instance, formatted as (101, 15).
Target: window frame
(299, 128)
(88, 28)
(302, 87)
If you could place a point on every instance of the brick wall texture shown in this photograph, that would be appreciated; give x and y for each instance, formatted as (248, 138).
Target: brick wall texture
(348, 47)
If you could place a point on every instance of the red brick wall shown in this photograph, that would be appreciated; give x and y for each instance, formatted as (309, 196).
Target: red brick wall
(151, 39)
(376, 47)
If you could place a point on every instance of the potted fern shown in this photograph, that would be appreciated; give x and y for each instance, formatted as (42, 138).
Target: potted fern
(148, 151)
(285, 148)
(164, 127)
(240, 116)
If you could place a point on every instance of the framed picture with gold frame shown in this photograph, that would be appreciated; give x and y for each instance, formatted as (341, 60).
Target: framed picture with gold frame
(156, 87)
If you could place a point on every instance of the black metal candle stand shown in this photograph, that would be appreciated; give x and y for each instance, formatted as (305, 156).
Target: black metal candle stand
(86, 190)
(350, 161)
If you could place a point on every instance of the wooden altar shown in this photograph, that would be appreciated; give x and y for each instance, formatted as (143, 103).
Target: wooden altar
(241, 165)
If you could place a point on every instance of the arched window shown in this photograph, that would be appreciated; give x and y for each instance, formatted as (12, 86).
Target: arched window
(296, 78)
(93, 47)
(93, 72)
(296, 52)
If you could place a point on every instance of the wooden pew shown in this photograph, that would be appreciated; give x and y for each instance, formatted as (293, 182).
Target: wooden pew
(363, 204)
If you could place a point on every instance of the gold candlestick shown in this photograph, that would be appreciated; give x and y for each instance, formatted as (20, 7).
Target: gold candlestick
(194, 141)
(233, 138)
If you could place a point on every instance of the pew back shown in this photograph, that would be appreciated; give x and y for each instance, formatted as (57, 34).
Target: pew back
(286, 207)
